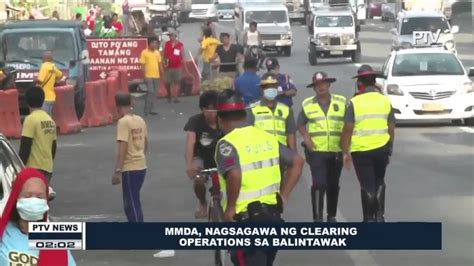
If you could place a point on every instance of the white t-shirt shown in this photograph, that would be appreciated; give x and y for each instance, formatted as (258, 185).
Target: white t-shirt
(252, 38)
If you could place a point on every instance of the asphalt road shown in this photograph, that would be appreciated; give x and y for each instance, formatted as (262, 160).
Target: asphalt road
(430, 177)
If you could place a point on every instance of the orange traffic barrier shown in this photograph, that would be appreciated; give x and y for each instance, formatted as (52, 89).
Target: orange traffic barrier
(92, 116)
(103, 107)
(112, 87)
(10, 123)
(123, 80)
(64, 111)
(192, 75)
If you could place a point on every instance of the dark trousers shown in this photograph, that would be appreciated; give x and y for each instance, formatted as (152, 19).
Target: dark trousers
(370, 168)
(132, 182)
(256, 257)
(325, 168)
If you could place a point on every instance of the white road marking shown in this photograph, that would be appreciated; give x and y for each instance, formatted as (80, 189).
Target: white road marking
(72, 145)
(359, 257)
(467, 129)
(84, 217)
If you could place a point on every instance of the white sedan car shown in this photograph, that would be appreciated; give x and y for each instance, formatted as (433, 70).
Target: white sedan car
(428, 84)
(10, 166)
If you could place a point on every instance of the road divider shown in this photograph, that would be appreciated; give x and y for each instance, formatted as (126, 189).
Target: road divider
(112, 86)
(93, 113)
(10, 123)
(64, 111)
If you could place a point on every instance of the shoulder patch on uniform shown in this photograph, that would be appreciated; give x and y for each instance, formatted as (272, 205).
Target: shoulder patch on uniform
(225, 149)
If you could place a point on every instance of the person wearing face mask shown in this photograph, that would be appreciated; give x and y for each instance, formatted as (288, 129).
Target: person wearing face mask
(286, 87)
(272, 116)
(320, 123)
(26, 203)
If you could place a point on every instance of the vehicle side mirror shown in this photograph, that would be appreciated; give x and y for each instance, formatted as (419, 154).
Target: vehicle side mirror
(454, 29)
(471, 72)
(72, 63)
(358, 28)
(85, 57)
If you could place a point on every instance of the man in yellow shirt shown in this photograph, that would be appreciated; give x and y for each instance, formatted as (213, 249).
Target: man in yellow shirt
(38, 139)
(130, 168)
(207, 51)
(48, 75)
(150, 59)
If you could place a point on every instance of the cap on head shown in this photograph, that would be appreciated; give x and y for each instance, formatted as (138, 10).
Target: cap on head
(268, 79)
(320, 77)
(364, 71)
(272, 63)
(230, 101)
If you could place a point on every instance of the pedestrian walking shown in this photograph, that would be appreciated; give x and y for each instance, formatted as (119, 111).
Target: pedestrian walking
(48, 75)
(130, 165)
(150, 59)
(320, 123)
(38, 137)
(207, 51)
(248, 84)
(367, 140)
(126, 18)
(175, 60)
(250, 178)
(286, 88)
(271, 116)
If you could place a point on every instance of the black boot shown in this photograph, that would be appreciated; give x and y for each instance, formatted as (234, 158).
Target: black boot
(380, 204)
(317, 201)
(332, 197)
(369, 205)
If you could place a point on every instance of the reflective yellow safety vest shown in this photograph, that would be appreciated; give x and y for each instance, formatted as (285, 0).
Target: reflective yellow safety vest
(259, 159)
(272, 122)
(325, 129)
(371, 111)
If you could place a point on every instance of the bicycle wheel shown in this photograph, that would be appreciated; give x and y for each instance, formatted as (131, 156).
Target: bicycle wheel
(215, 216)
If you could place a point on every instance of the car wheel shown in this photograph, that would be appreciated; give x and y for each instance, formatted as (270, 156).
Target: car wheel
(357, 55)
(469, 122)
(287, 51)
(312, 55)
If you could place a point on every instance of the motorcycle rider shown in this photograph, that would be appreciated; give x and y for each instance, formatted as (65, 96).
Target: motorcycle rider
(253, 38)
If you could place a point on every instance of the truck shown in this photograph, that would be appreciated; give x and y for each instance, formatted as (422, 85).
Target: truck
(23, 43)
(296, 10)
(443, 7)
(333, 33)
(204, 9)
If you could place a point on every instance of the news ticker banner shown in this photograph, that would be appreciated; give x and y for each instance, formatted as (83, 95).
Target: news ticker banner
(201, 236)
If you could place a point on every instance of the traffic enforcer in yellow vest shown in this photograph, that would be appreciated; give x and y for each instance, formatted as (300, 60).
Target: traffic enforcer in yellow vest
(371, 111)
(273, 122)
(325, 129)
(259, 158)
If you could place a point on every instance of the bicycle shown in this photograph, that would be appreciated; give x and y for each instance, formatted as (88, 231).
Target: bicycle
(215, 212)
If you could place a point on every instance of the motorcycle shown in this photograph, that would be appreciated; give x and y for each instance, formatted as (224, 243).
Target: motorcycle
(173, 15)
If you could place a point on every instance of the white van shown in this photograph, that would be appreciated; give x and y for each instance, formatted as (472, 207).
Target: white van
(273, 24)
(204, 9)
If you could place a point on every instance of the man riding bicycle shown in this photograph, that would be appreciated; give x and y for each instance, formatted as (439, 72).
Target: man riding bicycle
(252, 38)
(201, 139)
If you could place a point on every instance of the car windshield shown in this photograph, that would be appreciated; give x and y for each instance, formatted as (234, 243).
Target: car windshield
(266, 16)
(426, 64)
(432, 24)
(225, 6)
(334, 21)
(32, 45)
